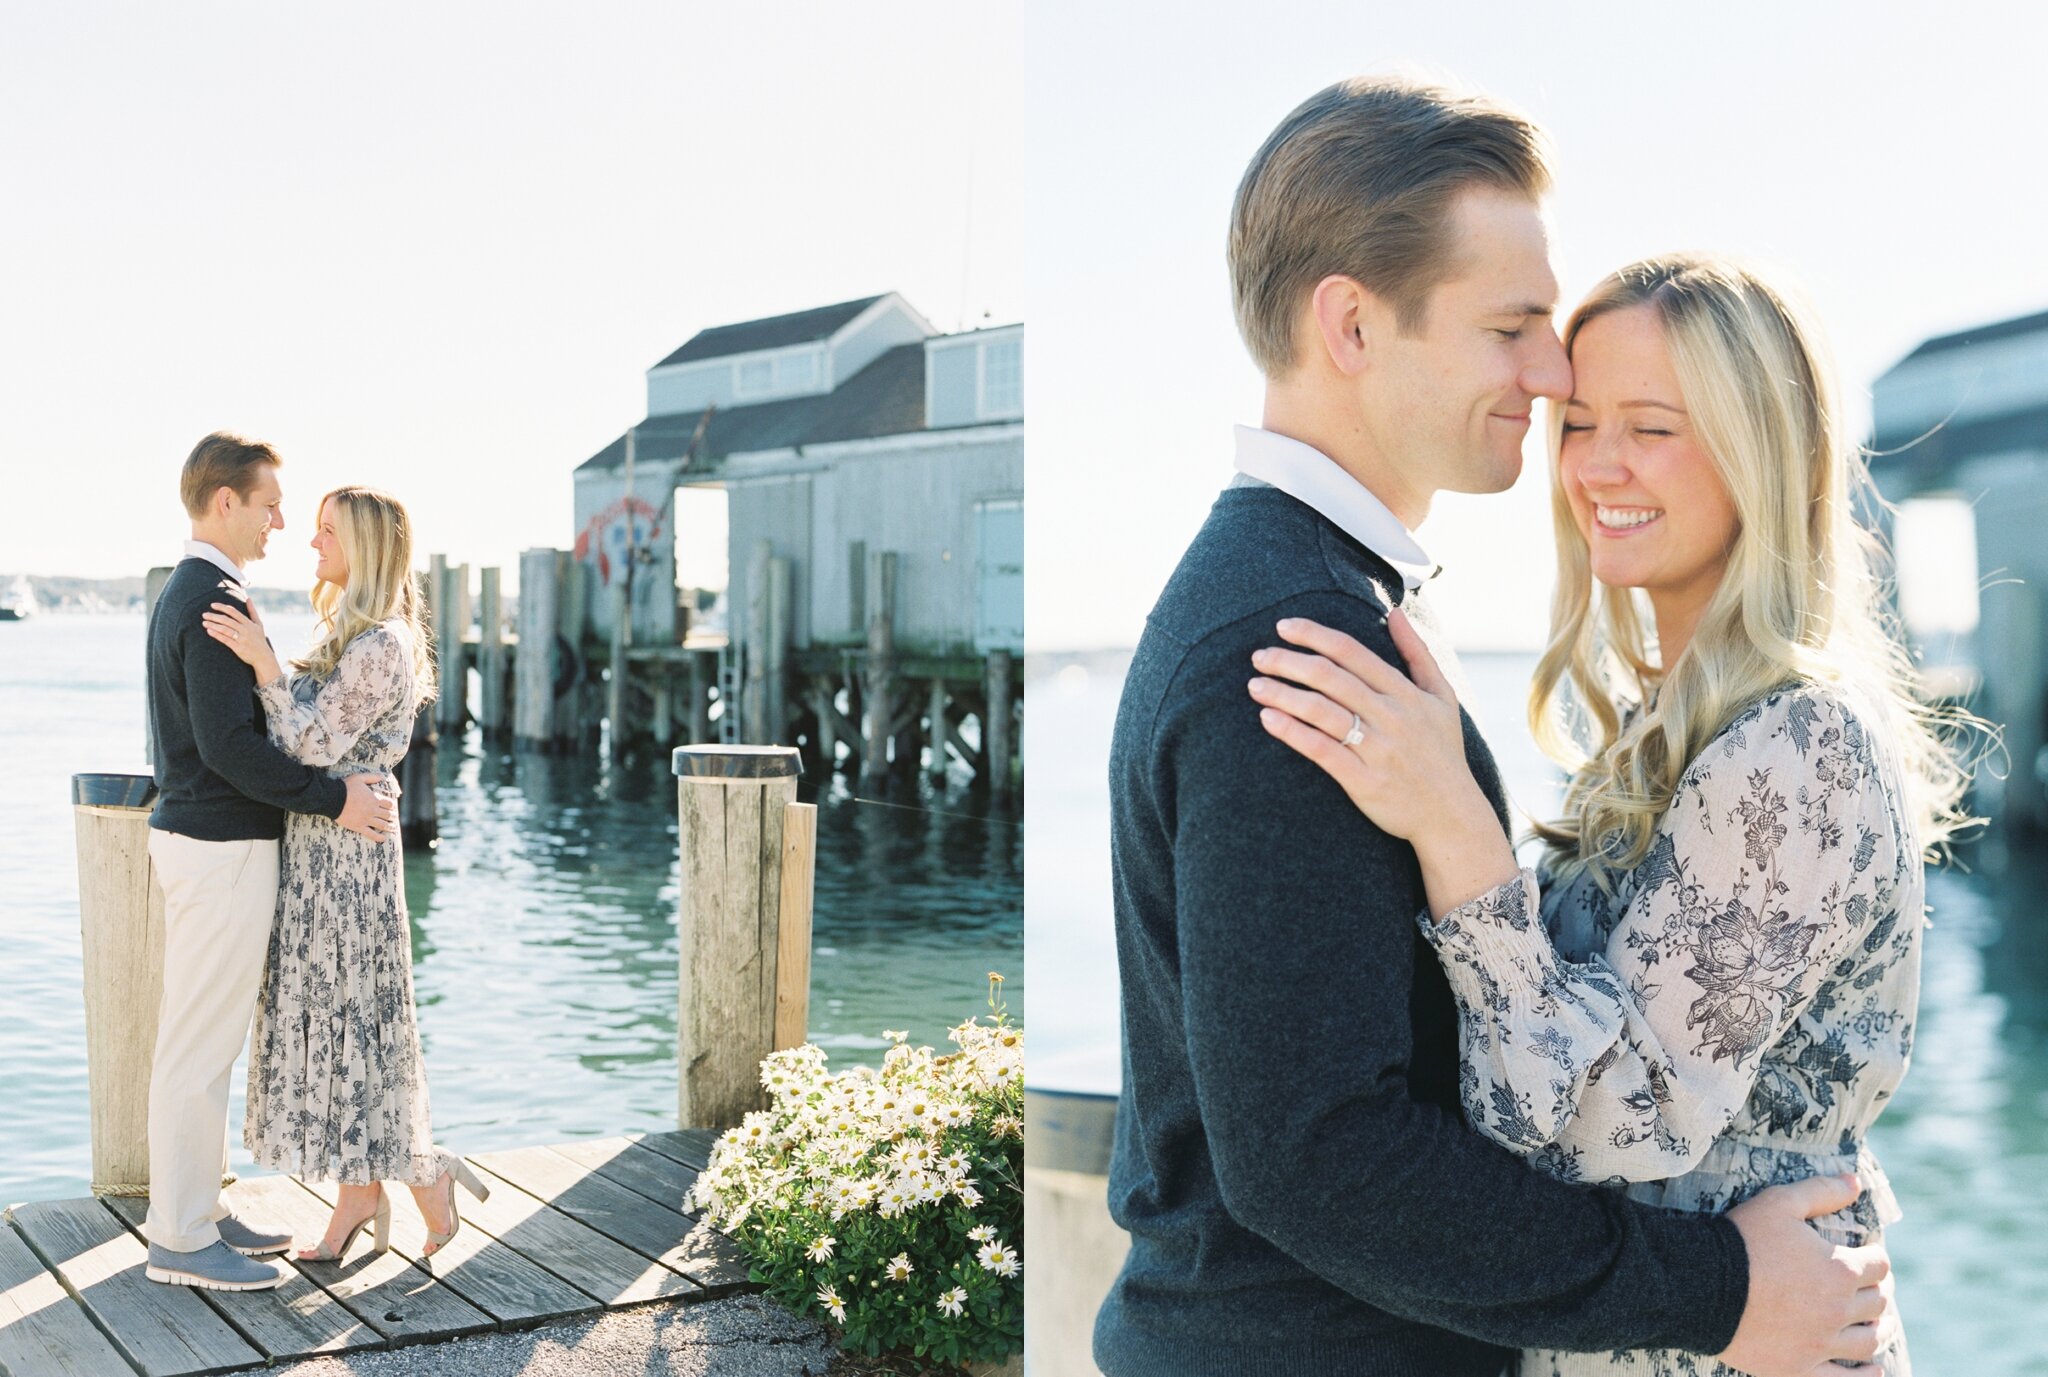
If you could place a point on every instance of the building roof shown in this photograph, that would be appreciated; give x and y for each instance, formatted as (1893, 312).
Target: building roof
(773, 332)
(884, 398)
(1979, 334)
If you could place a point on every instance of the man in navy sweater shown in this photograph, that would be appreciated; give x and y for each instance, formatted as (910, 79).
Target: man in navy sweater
(1302, 1194)
(223, 792)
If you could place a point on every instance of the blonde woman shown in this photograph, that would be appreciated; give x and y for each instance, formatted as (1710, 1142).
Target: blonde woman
(336, 1088)
(1707, 985)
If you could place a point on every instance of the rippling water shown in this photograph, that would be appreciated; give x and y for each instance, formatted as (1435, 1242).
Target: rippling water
(544, 924)
(1965, 1140)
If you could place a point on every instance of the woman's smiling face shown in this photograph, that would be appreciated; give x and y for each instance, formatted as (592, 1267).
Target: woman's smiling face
(1645, 494)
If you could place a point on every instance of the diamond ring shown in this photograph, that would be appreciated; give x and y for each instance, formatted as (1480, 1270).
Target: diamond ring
(1357, 732)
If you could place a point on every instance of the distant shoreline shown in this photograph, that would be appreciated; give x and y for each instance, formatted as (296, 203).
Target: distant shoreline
(63, 595)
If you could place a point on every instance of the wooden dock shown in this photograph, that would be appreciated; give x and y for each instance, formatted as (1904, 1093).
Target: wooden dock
(569, 1230)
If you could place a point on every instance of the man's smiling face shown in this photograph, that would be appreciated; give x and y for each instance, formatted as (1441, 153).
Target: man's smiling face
(250, 520)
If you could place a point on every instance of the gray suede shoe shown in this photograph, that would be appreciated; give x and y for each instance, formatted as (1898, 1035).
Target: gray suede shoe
(250, 1242)
(216, 1267)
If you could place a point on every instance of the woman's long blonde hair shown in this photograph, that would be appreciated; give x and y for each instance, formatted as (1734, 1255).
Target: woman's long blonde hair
(1802, 598)
(376, 539)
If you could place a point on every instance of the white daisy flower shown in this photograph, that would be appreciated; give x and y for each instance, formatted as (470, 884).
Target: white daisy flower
(829, 1298)
(998, 1258)
(952, 1302)
(981, 1234)
(899, 1268)
(820, 1250)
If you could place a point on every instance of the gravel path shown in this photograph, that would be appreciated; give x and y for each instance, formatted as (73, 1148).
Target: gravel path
(739, 1336)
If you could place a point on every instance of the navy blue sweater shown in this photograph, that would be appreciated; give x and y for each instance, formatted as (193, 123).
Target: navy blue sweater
(1302, 1193)
(219, 776)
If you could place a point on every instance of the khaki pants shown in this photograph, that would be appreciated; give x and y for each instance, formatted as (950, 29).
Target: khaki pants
(219, 902)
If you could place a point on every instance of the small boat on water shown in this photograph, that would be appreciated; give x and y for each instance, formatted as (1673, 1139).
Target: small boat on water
(20, 602)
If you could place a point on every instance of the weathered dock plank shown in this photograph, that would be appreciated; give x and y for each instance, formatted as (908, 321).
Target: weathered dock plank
(690, 1146)
(573, 1251)
(163, 1330)
(712, 1258)
(385, 1291)
(289, 1321)
(661, 1179)
(512, 1289)
(42, 1330)
(672, 1239)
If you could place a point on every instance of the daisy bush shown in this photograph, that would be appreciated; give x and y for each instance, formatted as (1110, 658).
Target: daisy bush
(889, 1202)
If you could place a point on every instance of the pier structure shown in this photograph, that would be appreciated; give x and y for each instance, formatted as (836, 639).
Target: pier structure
(567, 1228)
(1961, 423)
(871, 608)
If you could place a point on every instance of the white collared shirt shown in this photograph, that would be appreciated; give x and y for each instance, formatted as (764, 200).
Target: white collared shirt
(1308, 475)
(200, 549)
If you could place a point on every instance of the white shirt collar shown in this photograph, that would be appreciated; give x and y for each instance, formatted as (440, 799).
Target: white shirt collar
(1308, 475)
(200, 549)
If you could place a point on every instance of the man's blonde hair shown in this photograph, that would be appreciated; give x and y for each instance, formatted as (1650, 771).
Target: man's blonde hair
(222, 460)
(1358, 181)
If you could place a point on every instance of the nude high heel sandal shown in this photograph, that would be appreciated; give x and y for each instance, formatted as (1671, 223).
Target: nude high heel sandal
(380, 1235)
(458, 1170)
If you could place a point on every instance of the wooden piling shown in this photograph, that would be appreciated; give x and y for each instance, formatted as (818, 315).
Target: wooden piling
(775, 670)
(793, 940)
(996, 727)
(935, 732)
(881, 670)
(754, 728)
(578, 708)
(451, 598)
(533, 713)
(703, 668)
(121, 925)
(152, 589)
(617, 701)
(490, 655)
(732, 805)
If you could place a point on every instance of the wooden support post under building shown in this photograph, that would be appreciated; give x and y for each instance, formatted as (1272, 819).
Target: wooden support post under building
(533, 713)
(754, 649)
(661, 726)
(935, 732)
(121, 925)
(775, 670)
(736, 986)
(617, 701)
(881, 671)
(2019, 668)
(995, 727)
(828, 727)
(703, 668)
(578, 709)
(490, 655)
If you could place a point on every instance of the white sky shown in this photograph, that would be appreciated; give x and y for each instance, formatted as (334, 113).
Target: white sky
(1886, 156)
(435, 247)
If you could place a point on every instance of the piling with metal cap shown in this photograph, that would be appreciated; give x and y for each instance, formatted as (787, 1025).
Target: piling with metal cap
(748, 856)
(121, 926)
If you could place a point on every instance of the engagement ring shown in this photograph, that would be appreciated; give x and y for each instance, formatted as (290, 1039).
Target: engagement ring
(1357, 732)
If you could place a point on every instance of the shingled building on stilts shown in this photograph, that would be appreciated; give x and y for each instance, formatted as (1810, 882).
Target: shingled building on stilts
(871, 609)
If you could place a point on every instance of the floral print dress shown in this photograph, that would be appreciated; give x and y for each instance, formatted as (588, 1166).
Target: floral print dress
(337, 1091)
(1734, 1016)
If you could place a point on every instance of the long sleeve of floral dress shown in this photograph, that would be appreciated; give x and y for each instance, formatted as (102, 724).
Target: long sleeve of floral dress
(320, 726)
(1727, 980)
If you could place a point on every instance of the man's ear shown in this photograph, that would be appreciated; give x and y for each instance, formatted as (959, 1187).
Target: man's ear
(1345, 322)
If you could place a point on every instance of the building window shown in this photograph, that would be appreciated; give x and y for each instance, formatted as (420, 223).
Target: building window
(796, 372)
(756, 376)
(1002, 377)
